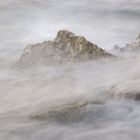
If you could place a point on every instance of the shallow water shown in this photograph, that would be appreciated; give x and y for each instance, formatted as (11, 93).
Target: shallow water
(72, 101)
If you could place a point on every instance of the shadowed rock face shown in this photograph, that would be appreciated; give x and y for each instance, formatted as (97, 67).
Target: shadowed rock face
(65, 47)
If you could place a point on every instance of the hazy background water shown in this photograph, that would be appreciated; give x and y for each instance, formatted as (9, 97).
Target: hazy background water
(105, 22)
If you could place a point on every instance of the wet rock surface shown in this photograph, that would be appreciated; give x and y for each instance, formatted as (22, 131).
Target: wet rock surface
(66, 47)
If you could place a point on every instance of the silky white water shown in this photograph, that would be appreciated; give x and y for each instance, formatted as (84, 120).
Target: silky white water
(80, 101)
(33, 101)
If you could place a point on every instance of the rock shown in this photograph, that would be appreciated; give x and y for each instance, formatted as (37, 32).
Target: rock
(135, 44)
(66, 113)
(128, 95)
(69, 112)
(65, 47)
(116, 92)
(130, 47)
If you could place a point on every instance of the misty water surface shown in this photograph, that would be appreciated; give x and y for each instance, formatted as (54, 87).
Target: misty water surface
(77, 101)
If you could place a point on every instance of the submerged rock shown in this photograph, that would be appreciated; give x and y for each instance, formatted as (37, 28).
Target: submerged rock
(69, 112)
(66, 113)
(66, 47)
(127, 95)
(117, 93)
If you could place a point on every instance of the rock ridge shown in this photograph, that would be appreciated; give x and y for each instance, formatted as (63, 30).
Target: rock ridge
(65, 47)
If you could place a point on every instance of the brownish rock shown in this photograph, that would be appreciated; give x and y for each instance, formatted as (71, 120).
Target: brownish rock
(65, 47)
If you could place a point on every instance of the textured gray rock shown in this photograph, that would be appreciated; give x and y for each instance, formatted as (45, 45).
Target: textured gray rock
(65, 47)
(135, 44)
(130, 47)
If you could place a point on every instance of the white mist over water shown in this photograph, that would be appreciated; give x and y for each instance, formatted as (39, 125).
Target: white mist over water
(103, 22)
(74, 101)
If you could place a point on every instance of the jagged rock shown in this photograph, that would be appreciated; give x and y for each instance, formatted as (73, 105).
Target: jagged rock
(135, 44)
(130, 47)
(65, 47)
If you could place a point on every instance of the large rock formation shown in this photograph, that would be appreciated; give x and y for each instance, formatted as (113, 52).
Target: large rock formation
(65, 47)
